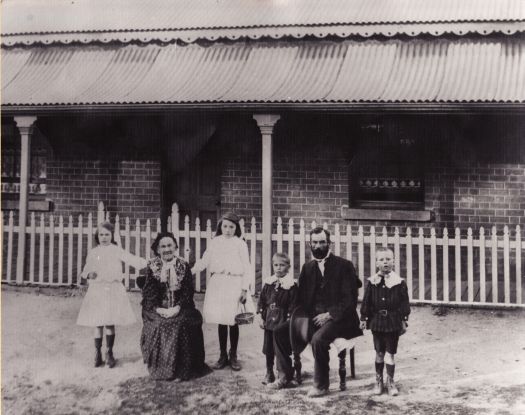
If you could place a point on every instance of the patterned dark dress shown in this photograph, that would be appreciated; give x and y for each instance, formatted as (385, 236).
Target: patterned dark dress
(171, 347)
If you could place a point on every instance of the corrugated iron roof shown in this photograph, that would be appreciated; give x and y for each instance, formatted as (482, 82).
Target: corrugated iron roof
(33, 21)
(393, 71)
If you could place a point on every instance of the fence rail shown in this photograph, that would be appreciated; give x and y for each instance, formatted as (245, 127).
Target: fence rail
(439, 267)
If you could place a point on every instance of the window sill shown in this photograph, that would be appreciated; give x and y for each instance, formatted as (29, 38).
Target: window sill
(33, 205)
(386, 214)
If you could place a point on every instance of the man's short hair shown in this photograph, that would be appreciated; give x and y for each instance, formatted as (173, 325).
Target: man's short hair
(320, 229)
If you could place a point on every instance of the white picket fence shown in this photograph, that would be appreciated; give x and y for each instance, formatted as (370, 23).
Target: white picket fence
(439, 267)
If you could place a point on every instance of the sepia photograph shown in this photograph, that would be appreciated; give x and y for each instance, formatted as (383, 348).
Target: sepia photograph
(293, 207)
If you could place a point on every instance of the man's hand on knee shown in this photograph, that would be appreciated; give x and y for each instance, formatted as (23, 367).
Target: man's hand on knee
(321, 319)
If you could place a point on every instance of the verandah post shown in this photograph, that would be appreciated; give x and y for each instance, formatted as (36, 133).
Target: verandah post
(266, 123)
(25, 125)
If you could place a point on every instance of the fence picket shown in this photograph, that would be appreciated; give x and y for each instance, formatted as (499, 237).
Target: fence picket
(482, 275)
(70, 251)
(51, 249)
(446, 288)
(127, 244)
(361, 254)
(397, 251)
(197, 252)
(384, 238)
(409, 263)
(148, 239)
(137, 247)
(32, 249)
(470, 267)
(457, 257)
(186, 238)
(337, 237)
(10, 228)
(208, 242)
(372, 250)
(175, 222)
(90, 232)
(421, 262)
(433, 265)
(253, 252)
(506, 264)
(494, 246)
(519, 298)
(60, 249)
(290, 244)
(80, 239)
(41, 250)
(279, 234)
(116, 234)
(302, 241)
(241, 225)
(349, 244)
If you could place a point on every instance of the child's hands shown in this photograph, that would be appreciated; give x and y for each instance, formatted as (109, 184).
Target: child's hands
(242, 298)
(362, 325)
(92, 275)
(260, 321)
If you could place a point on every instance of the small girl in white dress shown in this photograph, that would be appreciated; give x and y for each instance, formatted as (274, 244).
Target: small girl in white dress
(106, 302)
(229, 263)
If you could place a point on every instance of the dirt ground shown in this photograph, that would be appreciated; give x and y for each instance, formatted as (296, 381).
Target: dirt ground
(453, 361)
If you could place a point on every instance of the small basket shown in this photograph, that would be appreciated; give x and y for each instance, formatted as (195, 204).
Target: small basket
(244, 317)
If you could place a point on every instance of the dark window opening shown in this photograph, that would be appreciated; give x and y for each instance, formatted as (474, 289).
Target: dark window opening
(387, 169)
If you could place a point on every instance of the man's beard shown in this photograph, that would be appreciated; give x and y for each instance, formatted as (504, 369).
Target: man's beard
(320, 253)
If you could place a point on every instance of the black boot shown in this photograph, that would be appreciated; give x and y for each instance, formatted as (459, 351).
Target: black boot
(379, 386)
(98, 355)
(222, 362)
(110, 360)
(234, 363)
(270, 376)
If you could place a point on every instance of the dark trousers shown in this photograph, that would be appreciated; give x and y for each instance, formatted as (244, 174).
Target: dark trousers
(283, 350)
(320, 343)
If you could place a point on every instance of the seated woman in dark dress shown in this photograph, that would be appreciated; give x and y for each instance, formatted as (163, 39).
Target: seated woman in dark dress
(172, 342)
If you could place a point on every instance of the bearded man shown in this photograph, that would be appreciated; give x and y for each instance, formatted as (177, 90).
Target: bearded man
(328, 287)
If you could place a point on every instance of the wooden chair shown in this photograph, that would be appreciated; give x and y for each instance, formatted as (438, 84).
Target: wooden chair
(341, 345)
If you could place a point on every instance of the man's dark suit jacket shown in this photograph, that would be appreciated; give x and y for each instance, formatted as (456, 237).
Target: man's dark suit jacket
(341, 281)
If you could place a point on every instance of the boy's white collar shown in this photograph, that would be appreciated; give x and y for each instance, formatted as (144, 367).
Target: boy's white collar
(391, 279)
(286, 282)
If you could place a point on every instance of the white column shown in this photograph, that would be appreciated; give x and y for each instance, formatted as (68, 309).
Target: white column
(266, 122)
(25, 126)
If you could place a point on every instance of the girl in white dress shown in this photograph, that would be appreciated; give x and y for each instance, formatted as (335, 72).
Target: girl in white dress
(106, 302)
(228, 261)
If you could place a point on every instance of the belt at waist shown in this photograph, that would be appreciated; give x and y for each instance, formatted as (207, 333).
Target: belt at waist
(229, 274)
(384, 313)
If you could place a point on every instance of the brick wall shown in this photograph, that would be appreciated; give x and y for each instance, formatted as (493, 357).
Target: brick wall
(127, 187)
(477, 194)
(313, 184)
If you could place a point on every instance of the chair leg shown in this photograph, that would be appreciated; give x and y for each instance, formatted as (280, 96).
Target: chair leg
(342, 370)
(352, 363)
(297, 368)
